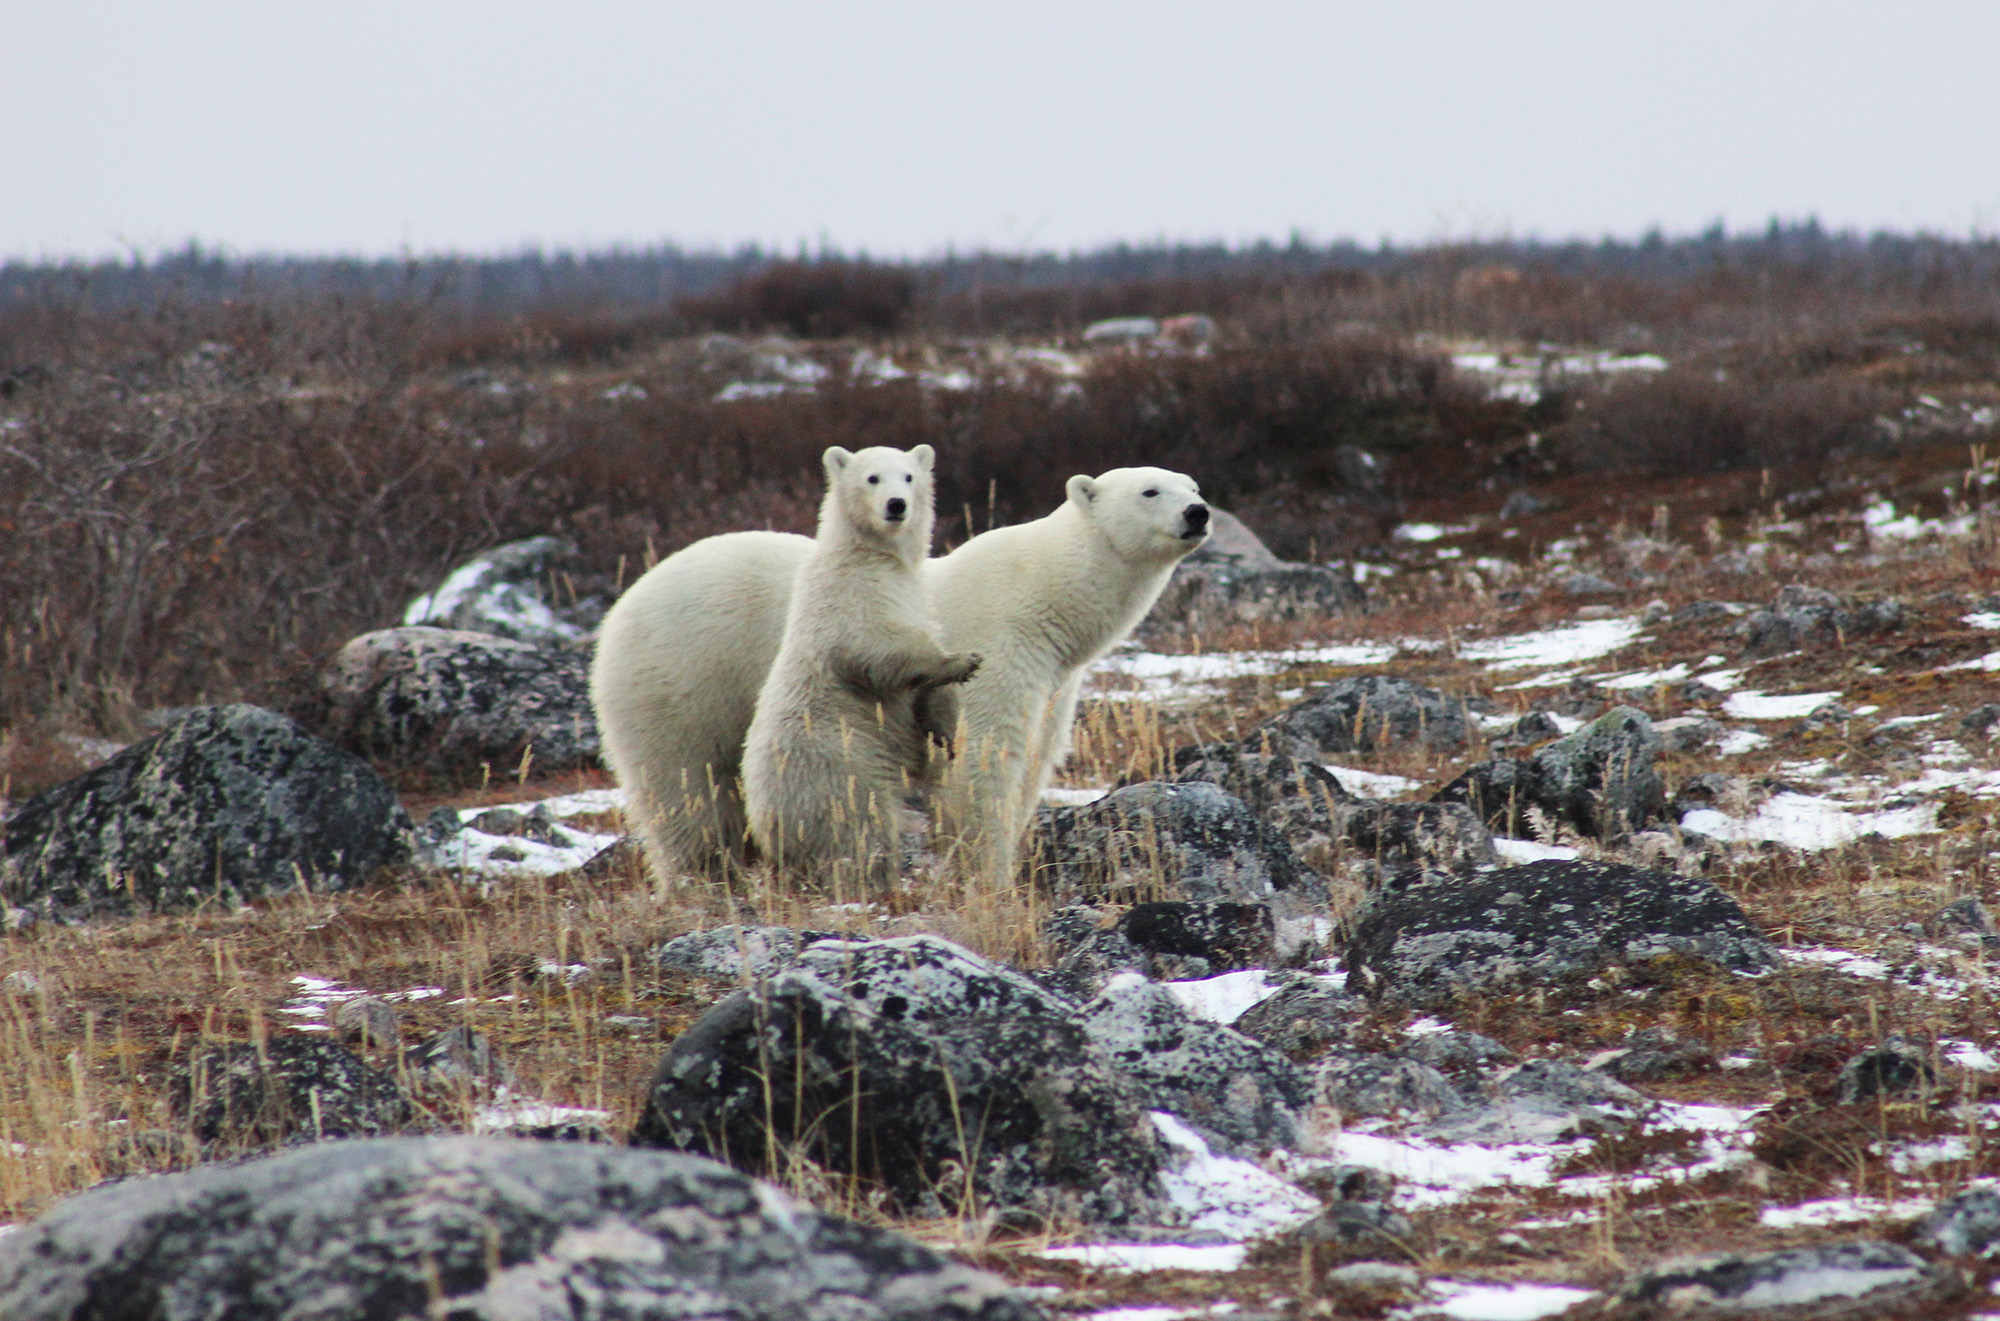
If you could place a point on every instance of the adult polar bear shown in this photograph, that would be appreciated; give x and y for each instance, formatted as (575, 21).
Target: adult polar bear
(682, 654)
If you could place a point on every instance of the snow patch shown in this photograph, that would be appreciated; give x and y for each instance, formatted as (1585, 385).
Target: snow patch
(1567, 645)
(1223, 1194)
(1757, 706)
(1222, 999)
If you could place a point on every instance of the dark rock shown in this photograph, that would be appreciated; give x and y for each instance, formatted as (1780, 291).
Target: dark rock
(1464, 1057)
(736, 951)
(1532, 728)
(1656, 1054)
(1599, 780)
(1699, 791)
(1305, 1017)
(1523, 504)
(478, 1229)
(1545, 1101)
(1539, 925)
(1686, 733)
(1170, 841)
(232, 803)
(1967, 1225)
(286, 1090)
(1232, 1088)
(1356, 1228)
(1349, 1183)
(1400, 836)
(1804, 616)
(509, 592)
(1234, 579)
(1897, 1067)
(1850, 1281)
(1696, 611)
(1225, 936)
(1827, 716)
(1962, 917)
(458, 1059)
(923, 1069)
(1371, 712)
(456, 702)
(1364, 1085)
(1586, 584)
(1980, 720)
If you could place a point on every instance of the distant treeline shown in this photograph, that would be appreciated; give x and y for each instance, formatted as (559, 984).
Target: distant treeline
(653, 277)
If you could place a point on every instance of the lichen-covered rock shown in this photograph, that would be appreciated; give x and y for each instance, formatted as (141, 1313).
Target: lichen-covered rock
(1234, 1089)
(1544, 1101)
(509, 591)
(1170, 841)
(1162, 940)
(479, 1229)
(1467, 1058)
(1234, 578)
(1656, 1054)
(286, 1090)
(1539, 925)
(1364, 1085)
(1897, 1067)
(454, 702)
(736, 951)
(1967, 1225)
(925, 1070)
(231, 803)
(1849, 1281)
(1600, 780)
(1306, 1017)
(1371, 712)
(1803, 616)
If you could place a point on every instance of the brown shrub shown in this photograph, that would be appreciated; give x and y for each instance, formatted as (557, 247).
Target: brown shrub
(816, 300)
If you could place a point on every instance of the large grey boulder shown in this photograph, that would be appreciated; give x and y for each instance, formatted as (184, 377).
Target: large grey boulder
(1239, 1092)
(1539, 925)
(453, 702)
(1600, 781)
(231, 803)
(1307, 1016)
(1234, 579)
(1373, 711)
(1545, 1101)
(1849, 1281)
(1170, 841)
(478, 1229)
(509, 592)
(923, 1069)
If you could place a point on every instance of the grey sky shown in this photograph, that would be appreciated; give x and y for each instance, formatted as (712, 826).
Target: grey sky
(365, 126)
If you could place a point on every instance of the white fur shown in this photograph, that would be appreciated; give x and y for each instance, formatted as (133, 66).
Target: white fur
(839, 746)
(684, 652)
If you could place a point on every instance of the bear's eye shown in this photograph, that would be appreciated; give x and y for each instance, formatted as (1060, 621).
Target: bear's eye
(909, 477)
(1149, 494)
(872, 479)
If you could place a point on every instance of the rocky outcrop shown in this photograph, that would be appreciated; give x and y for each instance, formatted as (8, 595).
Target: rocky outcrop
(1171, 940)
(479, 1230)
(1234, 579)
(1372, 712)
(1170, 841)
(1849, 1281)
(229, 804)
(510, 592)
(1804, 616)
(283, 1091)
(1599, 781)
(1240, 1093)
(923, 1069)
(460, 703)
(1539, 925)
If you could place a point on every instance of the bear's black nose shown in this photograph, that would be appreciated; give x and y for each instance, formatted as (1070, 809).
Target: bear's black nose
(898, 505)
(1196, 516)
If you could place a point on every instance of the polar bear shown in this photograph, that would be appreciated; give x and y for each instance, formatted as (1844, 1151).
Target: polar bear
(684, 652)
(840, 743)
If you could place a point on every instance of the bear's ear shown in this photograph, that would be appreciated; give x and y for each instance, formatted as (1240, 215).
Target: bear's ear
(1082, 490)
(835, 460)
(925, 456)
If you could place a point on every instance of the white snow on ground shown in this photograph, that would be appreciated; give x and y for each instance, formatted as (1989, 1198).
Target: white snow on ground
(517, 855)
(1842, 1210)
(1791, 706)
(500, 602)
(1153, 1257)
(1646, 678)
(1066, 797)
(1161, 676)
(1809, 823)
(317, 998)
(1429, 531)
(1522, 1301)
(1982, 619)
(510, 1113)
(1527, 850)
(1566, 645)
(1224, 1194)
(1522, 376)
(1736, 742)
(1222, 999)
(1989, 662)
(1372, 784)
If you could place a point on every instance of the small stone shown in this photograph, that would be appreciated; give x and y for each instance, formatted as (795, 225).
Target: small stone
(1895, 1068)
(458, 1058)
(1981, 720)
(632, 1024)
(1967, 1225)
(21, 983)
(366, 1019)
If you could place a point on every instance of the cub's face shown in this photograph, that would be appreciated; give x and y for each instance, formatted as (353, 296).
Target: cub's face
(882, 492)
(1148, 514)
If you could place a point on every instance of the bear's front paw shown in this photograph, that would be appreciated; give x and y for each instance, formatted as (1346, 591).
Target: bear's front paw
(957, 669)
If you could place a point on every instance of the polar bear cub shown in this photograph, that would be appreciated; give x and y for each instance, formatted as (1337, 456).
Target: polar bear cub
(841, 741)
